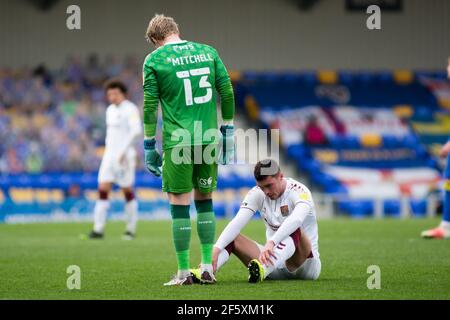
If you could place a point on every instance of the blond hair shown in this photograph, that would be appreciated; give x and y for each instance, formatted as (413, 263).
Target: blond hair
(161, 27)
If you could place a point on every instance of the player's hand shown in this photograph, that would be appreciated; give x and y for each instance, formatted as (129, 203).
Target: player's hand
(153, 159)
(215, 258)
(267, 256)
(445, 150)
(226, 153)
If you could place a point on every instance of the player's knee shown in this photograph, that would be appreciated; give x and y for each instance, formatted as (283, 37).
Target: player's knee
(103, 194)
(129, 195)
(238, 241)
(296, 236)
(312, 271)
(230, 247)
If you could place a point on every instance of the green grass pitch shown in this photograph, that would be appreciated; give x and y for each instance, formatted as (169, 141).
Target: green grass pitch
(34, 259)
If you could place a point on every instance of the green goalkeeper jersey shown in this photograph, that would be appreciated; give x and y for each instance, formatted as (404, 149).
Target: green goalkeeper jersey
(184, 76)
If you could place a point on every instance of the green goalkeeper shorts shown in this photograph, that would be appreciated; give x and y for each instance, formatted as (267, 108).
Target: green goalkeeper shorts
(185, 168)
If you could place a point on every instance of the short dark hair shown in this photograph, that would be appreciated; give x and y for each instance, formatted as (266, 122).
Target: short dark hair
(116, 84)
(266, 168)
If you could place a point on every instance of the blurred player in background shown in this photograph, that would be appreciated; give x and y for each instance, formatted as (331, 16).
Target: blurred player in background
(123, 128)
(443, 230)
(287, 208)
(184, 77)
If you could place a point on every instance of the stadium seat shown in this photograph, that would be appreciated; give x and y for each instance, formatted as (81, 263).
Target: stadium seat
(357, 208)
(327, 77)
(371, 140)
(418, 207)
(392, 208)
(403, 77)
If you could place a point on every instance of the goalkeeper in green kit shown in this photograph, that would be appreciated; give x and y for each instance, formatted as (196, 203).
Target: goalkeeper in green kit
(184, 76)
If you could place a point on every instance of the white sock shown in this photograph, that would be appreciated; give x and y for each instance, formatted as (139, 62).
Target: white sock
(445, 224)
(183, 274)
(222, 259)
(206, 267)
(131, 211)
(100, 212)
(283, 251)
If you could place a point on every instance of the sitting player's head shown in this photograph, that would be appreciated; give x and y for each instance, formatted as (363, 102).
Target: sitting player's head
(269, 178)
(160, 28)
(116, 91)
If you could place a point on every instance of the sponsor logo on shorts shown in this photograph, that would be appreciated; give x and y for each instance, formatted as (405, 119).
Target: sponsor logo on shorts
(205, 182)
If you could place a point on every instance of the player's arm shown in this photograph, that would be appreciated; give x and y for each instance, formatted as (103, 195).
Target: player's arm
(134, 123)
(230, 233)
(252, 203)
(233, 228)
(225, 90)
(151, 100)
(292, 223)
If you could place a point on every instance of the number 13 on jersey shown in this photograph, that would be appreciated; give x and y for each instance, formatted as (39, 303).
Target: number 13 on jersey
(203, 83)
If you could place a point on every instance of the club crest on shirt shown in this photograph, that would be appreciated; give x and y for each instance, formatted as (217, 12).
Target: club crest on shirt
(284, 210)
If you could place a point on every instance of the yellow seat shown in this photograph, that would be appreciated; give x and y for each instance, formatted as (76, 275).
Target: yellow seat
(147, 194)
(404, 111)
(99, 151)
(252, 107)
(42, 195)
(327, 77)
(371, 140)
(91, 195)
(403, 76)
(326, 156)
(444, 103)
(21, 195)
(235, 75)
(57, 195)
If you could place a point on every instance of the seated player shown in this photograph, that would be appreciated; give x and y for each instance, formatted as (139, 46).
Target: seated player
(287, 208)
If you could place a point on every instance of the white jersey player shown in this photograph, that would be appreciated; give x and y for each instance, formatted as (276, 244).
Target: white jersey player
(119, 160)
(287, 208)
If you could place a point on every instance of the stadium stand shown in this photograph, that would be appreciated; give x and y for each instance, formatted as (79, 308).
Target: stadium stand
(353, 132)
(52, 129)
(349, 131)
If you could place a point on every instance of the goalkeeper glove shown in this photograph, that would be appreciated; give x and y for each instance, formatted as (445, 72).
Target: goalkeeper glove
(226, 154)
(153, 159)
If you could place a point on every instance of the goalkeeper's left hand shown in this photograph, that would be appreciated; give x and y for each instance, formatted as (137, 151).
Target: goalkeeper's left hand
(226, 154)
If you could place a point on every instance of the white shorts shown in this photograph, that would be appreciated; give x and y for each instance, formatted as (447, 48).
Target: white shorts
(309, 270)
(122, 175)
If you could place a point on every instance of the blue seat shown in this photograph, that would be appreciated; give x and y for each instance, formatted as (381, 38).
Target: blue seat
(385, 78)
(296, 151)
(219, 209)
(357, 208)
(308, 77)
(351, 142)
(418, 207)
(345, 77)
(338, 142)
(392, 207)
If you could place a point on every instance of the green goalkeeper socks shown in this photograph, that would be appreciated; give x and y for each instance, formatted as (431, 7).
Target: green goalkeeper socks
(206, 228)
(181, 232)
